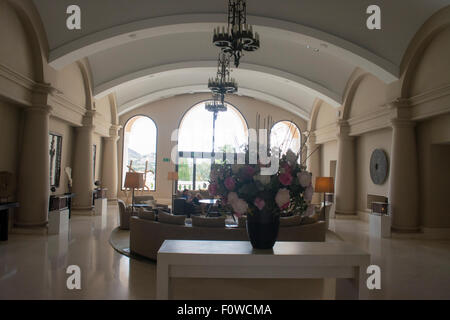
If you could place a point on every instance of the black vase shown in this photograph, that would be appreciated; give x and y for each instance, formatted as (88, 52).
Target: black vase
(262, 229)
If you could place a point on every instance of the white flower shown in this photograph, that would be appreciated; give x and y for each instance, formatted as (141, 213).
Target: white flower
(305, 179)
(232, 197)
(240, 206)
(291, 157)
(309, 192)
(283, 198)
(265, 180)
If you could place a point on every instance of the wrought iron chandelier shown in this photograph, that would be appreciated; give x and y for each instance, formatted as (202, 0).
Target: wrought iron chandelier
(238, 36)
(223, 84)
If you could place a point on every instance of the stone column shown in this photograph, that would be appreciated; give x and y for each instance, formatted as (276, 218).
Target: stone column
(403, 181)
(345, 171)
(83, 171)
(34, 169)
(313, 163)
(110, 168)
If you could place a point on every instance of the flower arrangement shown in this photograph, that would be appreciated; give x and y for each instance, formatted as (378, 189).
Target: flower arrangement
(246, 191)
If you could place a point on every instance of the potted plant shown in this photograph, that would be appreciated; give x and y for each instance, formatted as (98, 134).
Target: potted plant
(264, 198)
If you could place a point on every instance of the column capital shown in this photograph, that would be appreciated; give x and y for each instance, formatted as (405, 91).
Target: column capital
(46, 109)
(343, 130)
(400, 109)
(114, 131)
(89, 119)
(402, 123)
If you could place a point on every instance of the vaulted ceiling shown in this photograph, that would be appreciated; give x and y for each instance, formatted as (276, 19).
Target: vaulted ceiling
(146, 50)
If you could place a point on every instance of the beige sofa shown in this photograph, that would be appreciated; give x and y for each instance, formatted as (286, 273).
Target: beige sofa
(146, 236)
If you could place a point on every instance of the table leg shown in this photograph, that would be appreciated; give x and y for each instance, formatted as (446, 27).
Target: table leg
(4, 224)
(348, 289)
(162, 280)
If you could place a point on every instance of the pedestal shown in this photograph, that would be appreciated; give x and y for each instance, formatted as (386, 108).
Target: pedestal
(58, 221)
(380, 226)
(101, 207)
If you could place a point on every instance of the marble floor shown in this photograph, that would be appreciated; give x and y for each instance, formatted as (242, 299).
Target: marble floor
(34, 267)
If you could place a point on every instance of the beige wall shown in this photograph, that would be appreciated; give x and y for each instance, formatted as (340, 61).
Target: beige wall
(369, 97)
(15, 51)
(326, 115)
(167, 115)
(433, 69)
(433, 138)
(10, 128)
(63, 129)
(365, 145)
(328, 153)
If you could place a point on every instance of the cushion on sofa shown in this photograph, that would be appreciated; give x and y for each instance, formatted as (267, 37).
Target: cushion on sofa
(290, 221)
(218, 222)
(171, 219)
(146, 215)
(311, 219)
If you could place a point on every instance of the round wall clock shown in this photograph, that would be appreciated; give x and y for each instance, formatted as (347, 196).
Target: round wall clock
(379, 167)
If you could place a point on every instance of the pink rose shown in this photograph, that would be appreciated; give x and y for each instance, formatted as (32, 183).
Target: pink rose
(309, 192)
(249, 171)
(230, 183)
(304, 178)
(286, 179)
(286, 168)
(240, 207)
(283, 199)
(212, 189)
(260, 203)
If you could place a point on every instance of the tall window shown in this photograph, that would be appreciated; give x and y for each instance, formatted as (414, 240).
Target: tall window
(139, 149)
(195, 141)
(286, 135)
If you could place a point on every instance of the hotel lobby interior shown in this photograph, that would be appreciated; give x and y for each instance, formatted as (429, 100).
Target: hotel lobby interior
(128, 130)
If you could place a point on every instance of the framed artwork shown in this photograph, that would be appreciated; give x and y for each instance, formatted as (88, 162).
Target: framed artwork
(55, 152)
(94, 160)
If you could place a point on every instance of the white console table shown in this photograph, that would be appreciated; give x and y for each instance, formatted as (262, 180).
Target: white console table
(237, 259)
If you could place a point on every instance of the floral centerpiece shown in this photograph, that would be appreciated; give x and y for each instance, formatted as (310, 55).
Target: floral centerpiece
(264, 198)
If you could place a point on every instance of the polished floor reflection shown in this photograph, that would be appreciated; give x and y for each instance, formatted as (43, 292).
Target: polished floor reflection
(34, 267)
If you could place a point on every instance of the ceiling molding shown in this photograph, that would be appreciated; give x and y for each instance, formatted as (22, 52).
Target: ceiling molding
(315, 89)
(167, 93)
(154, 27)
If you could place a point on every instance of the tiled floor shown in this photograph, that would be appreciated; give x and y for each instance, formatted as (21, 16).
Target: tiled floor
(34, 267)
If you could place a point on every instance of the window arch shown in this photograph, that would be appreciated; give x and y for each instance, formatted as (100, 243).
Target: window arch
(139, 149)
(286, 135)
(195, 142)
(196, 130)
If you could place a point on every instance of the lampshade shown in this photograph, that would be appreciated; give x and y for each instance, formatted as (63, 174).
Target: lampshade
(173, 176)
(134, 180)
(324, 184)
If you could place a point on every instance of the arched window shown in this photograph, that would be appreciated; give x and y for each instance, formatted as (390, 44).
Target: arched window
(139, 149)
(286, 135)
(196, 130)
(195, 142)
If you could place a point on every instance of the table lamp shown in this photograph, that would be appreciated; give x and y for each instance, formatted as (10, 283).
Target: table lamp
(172, 176)
(324, 185)
(134, 180)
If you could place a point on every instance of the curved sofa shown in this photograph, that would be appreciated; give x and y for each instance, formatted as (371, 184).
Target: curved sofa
(146, 236)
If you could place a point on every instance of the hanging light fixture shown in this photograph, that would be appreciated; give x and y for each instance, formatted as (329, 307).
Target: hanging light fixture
(223, 84)
(238, 36)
